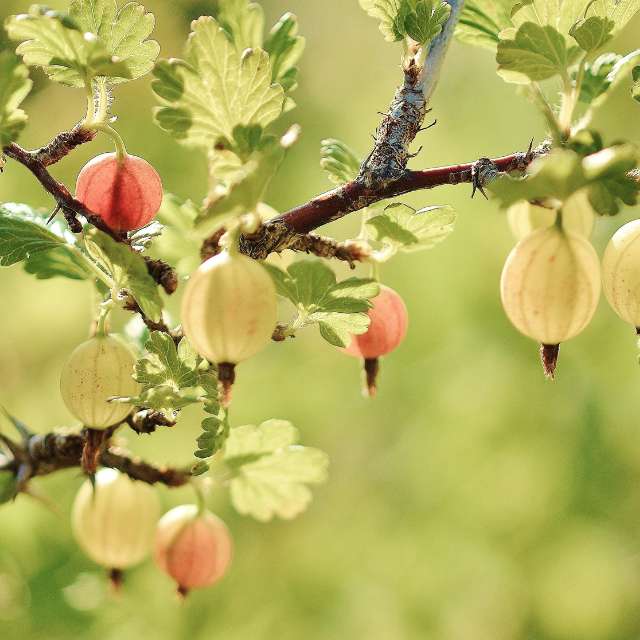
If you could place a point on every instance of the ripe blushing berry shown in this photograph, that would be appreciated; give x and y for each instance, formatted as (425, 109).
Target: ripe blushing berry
(194, 548)
(388, 328)
(126, 194)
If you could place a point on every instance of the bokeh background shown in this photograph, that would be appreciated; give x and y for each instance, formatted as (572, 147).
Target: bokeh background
(472, 500)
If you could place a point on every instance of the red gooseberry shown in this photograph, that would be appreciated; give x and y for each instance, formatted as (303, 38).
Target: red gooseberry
(126, 194)
(193, 548)
(388, 328)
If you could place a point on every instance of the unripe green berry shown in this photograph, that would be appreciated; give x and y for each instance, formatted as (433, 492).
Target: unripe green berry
(115, 522)
(551, 285)
(229, 310)
(99, 369)
(621, 272)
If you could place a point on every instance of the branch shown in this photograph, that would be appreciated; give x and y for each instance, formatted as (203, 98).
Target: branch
(37, 162)
(285, 231)
(43, 454)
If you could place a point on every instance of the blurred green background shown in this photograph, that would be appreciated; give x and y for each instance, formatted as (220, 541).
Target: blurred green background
(472, 500)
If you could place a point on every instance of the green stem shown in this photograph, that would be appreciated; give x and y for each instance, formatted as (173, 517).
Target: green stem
(103, 317)
(121, 150)
(200, 500)
(540, 99)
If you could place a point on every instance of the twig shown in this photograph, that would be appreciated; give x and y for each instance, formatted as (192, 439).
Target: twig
(43, 454)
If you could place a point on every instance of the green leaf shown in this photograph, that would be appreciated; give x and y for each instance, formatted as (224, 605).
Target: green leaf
(482, 20)
(166, 364)
(215, 89)
(390, 14)
(603, 75)
(175, 376)
(340, 309)
(55, 42)
(179, 244)
(243, 21)
(407, 230)
(425, 19)
(239, 183)
(621, 11)
(563, 172)
(285, 48)
(635, 91)
(128, 270)
(592, 33)
(15, 85)
(536, 52)
(123, 33)
(271, 471)
(339, 161)
(559, 14)
(46, 251)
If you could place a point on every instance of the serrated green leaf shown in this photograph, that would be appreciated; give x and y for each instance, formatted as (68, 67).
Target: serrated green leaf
(68, 55)
(128, 270)
(603, 75)
(621, 11)
(164, 364)
(482, 20)
(285, 48)
(313, 280)
(15, 85)
(592, 32)
(243, 21)
(425, 19)
(239, 184)
(408, 230)
(563, 172)
(46, 251)
(536, 52)
(123, 33)
(339, 161)
(559, 14)
(180, 243)
(271, 471)
(390, 14)
(339, 309)
(216, 89)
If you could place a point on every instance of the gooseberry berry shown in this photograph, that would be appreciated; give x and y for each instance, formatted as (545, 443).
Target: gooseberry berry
(621, 273)
(229, 310)
(125, 193)
(114, 522)
(193, 548)
(550, 288)
(99, 369)
(389, 321)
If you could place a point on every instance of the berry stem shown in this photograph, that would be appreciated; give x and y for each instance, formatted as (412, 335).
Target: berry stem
(121, 150)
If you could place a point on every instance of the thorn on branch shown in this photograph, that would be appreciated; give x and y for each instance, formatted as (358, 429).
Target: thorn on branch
(483, 172)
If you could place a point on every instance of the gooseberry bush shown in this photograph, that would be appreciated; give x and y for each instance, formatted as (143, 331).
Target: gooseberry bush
(225, 97)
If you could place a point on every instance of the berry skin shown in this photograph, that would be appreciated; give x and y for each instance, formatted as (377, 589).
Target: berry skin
(229, 310)
(550, 286)
(126, 195)
(99, 369)
(388, 328)
(621, 272)
(194, 549)
(115, 523)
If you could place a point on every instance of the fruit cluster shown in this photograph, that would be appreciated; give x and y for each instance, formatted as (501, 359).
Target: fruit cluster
(116, 521)
(551, 281)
